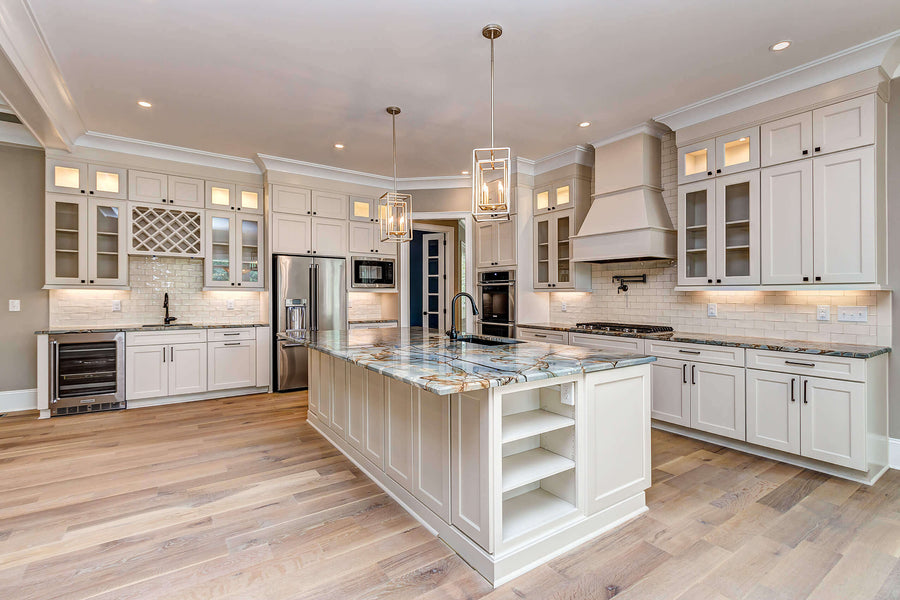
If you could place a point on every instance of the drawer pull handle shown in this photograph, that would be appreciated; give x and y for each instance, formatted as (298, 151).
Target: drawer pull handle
(231, 333)
(689, 351)
(805, 391)
(684, 373)
(693, 374)
(539, 335)
(231, 344)
(799, 364)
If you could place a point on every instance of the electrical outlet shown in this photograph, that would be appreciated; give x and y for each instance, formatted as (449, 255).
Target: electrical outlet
(563, 307)
(15, 305)
(712, 310)
(853, 314)
(117, 306)
(229, 304)
(823, 312)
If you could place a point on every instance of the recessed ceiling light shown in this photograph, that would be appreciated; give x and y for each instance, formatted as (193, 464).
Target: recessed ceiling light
(339, 146)
(465, 172)
(584, 124)
(144, 104)
(779, 46)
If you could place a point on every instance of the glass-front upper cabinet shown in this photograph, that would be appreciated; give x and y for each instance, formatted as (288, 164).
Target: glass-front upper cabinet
(107, 182)
(697, 161)
(220, 195)
(67, 240)
(107, 249)
(234, 249)
(249, 199)
(697, 233)
(542, 244)
(363, 209)
(220, 245)
(250, 250)
(738, 151)
(553, 267)
(75, 177)
(553, 197)
(737, 223)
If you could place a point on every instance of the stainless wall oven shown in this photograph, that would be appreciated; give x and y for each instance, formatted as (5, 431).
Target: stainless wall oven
(497, 293)
(367, 272)
(87, 372)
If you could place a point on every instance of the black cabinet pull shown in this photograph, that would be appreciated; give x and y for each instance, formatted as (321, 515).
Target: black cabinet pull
(91, 281)
(708, 173)
(793, 399)
(82, 191)
(91, 192)
(709, 281)
(718, 170)
(693, 374)
(164, 354)
(818, 278)
(82, 281)
(799, 364)
(818, 149)
(806, 391)
(684, 373)
(171, 353)
(805, 152)
(697, 352)
(718, 281)
(806, 279)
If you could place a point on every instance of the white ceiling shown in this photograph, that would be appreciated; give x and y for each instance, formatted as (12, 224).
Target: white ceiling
(291, 78)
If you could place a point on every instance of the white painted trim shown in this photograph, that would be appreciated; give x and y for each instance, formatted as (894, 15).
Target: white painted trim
(582, 155)
(649, 127)
(17, 134)
(18, 400)
(211, 395)
(115, 143)
(894, 453)
(834, 66)
(525, 166)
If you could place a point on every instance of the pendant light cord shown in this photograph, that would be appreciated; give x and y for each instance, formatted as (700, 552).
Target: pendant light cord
(394, 133)
(492, 94)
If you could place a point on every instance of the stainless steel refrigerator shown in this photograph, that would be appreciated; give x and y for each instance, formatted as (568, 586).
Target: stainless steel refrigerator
(310, 295)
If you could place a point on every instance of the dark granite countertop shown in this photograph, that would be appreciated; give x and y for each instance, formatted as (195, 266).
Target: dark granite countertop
(110, 329)
(804, 347)
(364, 321)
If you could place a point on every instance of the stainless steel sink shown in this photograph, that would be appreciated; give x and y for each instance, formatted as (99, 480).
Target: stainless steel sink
(169, 325)
(486, 341)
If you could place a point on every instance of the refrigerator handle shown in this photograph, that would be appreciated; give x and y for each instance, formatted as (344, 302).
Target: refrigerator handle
(314, 297)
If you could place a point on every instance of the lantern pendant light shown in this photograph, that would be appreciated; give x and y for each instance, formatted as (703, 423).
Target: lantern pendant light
(490, 166)
(394, 210)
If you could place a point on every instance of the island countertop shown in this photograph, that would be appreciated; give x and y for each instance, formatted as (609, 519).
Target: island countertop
(442, 366)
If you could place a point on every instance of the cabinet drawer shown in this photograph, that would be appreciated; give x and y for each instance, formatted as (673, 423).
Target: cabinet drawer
(231, 334)
(149, 338)
(720, 355)
(542, 335)
(834, 367)
(612, 343)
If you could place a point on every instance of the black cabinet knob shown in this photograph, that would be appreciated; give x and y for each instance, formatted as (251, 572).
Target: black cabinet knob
(91, 281)
(806, 279)
(307, 212)
(805, 152)
(239, 283)
(239, 208)
(91, 192)
(818, 148)
(82, 281)
(232, 284)
(82, 191)
(818, 278)
(315, 213)
(372, 220)
(718, 170)
(708, 173)
(709, 281)
(718, 281)
(376, 251)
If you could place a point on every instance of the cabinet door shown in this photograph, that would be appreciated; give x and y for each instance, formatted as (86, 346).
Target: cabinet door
(506, 242)
(844, 125)
(671, 391)
(291, 235)
(330, 205)
(248, 251)
(220, 195)
(107, 182)
(374, 419)
(485, 245)
(542, 251)
(786, 139)
(219, 261)
(431, 451)
(340, 386)
(66, 236)
(562, 196)
(231, 365)
(696, 233)
(107, 246)
(786, 223)
(562, 270)
(471, 484)
(718, 400)
(67, 176)
(542, 200)
(329, 237)
(738, 151)
(187, 369)
(291, 200)
(697, 161)
(150, 188)
(388, 248)
(363, 209)
(362, 237)
(146, 372)
(187, 191)
(314, 383)
(249, 199)
(356, 407)
(398, 434)
(325, 374)
(833, 422)
(844, 217)
(737, 224)
(773, 410)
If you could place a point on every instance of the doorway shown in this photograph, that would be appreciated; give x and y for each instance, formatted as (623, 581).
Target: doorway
(431, 274)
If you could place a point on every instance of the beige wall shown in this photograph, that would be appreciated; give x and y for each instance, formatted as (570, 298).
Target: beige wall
(893, 191)
(441, 200)
(22, 273)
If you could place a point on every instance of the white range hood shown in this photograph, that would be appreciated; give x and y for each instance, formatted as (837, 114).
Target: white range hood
(628, 219)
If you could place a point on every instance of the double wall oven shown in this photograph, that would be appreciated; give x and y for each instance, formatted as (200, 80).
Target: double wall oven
(87, 372)
(497, 292)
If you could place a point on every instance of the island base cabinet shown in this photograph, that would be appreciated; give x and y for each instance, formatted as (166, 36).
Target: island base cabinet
(373, 441)
(431, 451)
(471, 457)
(339, 397)
(312, 394)
(356, 406)
(398, 438)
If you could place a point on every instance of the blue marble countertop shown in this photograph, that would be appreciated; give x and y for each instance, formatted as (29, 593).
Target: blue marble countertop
(435, 363)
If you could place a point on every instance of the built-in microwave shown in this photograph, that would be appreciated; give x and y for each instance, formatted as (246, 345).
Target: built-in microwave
(368, 272)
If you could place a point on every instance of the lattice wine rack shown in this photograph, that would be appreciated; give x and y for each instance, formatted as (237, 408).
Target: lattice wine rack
(165, 231)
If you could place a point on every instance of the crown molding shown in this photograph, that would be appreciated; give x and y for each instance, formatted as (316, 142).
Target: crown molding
(846, 62)
(115, 143)
(434, 183)
(648, 127)
(582, 155)
(525, 166)
(41, 98)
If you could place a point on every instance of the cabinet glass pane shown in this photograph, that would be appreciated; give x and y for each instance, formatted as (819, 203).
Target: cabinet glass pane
(107, 182)
(737, 152)
(249, 251)
(562, 250)
(695, 162)
(543, 251)
(220, 196)
(249, 199)
(67, 239)
(695, 233)
(737, 229)
(543, 200)
(562, 195)
(107, 258)
(66, 177)
(362, 209)
(221, 249)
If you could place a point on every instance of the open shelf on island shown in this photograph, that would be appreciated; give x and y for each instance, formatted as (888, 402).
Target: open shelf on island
(531, 509)
(532, 422)
(532, 465)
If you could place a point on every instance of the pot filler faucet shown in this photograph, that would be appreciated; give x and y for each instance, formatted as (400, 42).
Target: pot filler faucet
(167, 320)
(453, 333)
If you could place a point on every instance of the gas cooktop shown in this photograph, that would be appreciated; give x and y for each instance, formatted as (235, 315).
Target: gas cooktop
(623, 327)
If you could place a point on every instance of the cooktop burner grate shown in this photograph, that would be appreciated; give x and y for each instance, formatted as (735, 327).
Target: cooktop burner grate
(623, 327)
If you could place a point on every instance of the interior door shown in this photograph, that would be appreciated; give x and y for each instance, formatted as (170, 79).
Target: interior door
(786, 223)
(433, 300)
(773, 410)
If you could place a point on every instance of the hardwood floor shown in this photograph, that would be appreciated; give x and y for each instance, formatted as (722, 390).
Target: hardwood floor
(241, 499)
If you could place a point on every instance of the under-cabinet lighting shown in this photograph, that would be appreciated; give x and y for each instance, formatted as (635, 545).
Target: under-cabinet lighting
(144, 104)
(779, 46)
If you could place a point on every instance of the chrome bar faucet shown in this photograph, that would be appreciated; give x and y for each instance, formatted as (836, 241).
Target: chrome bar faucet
(453, 333)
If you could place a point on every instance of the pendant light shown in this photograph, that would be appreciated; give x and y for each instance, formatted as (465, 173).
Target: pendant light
(394, 209)
(490, 166)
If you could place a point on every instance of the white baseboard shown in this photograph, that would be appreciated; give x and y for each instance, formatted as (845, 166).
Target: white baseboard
(894, 453)
(18, 400)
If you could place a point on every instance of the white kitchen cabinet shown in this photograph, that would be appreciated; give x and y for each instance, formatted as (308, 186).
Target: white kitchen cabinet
(186, 191)
(737, 151)
(147, 187)
(329, 237)
(844, 208)
(773, 410)
(330, 205)
(365, 238)
(472, 487)
(718, 396)
(363, 209)
(697, 233)
(107, 248)
(399, 434)
(845, 125)
(234, 247)
(356, 406)
(339, 399)
(542, 335)
(431, 451)
(187, 368)
(786, 139)
(737, 229)
(291, 234)
(610, 343)
(155, 371)
(314, 382)
(557, 196)
(496, 243)
(553, 265)
(786, 223)
(326, 394)
(248, 199)
(833, 422)
(220, 195)
(66, 176)
(671, 399)
(291, 200)
(231, 365)
(373, 442)
(107, 182)
(696, 161)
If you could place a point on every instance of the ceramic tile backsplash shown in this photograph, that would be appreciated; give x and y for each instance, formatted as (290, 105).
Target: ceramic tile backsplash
(150, 278)
(775, 315)
(363, 306)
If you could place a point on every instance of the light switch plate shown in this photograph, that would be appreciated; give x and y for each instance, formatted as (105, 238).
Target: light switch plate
(712, 310)
(563, 307)
(117, 306)
(853, 314)
(823, 312)
(229, 304)
(15, 305)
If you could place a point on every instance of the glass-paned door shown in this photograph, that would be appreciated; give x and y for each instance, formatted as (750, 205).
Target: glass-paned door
(542, 246)
(250, 249)
(433, 293)
(249, 199)
(107, 249)
(107, 182)
(219, 235)
(737, 211)
(738, 151)
(562, 198)
(696, 239)
(67, 257)
(563, 250)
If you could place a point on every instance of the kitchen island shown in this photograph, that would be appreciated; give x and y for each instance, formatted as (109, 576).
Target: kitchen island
(512, 453)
